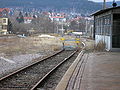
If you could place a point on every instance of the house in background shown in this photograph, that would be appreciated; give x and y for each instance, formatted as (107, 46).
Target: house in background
(4, 12)
(28, 19)
(4, 20)
(58, 17)
(107, 28)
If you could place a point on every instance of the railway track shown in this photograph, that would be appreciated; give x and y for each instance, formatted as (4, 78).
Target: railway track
(31, 76)
(50, 82)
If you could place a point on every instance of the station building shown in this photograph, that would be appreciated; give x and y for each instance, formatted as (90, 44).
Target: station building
(107, 28)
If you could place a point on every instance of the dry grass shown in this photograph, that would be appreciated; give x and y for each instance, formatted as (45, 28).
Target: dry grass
(13, 46)
(100, 46)
(30, 45)
(89, 44)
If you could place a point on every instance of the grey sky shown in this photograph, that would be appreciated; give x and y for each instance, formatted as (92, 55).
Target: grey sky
(102, 0)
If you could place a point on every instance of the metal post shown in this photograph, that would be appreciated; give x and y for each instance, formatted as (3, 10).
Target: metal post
(62, 29)
(104, 4)
(53, 26)
(86, 27)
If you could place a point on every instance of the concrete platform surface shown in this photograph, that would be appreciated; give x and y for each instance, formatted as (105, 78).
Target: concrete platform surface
(102, 72)
(94, 71)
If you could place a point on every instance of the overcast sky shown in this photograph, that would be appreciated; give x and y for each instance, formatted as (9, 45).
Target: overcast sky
(102, 0)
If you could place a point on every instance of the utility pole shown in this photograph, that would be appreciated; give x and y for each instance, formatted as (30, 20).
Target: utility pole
(86, 27)
(62, 28)
(104, 4)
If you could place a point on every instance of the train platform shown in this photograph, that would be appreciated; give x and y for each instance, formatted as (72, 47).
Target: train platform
(93, 71)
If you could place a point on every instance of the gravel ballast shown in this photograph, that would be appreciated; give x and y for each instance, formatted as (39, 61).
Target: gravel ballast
(8, 65)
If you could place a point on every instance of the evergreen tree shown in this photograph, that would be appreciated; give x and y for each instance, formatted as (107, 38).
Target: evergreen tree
(20, 18)
(26, 14)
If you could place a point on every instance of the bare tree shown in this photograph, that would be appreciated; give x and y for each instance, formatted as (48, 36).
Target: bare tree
(78, 25)
(39, 25)
(19, 28)
(43, 25)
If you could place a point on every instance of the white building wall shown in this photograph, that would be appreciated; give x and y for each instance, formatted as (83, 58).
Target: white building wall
(105, 39)
(27, 21)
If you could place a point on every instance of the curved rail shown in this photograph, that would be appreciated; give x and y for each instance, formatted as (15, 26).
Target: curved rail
(29, 65)
(51, 71)
(43, 79)
(23, 76)
(62, 85)
(48, 73)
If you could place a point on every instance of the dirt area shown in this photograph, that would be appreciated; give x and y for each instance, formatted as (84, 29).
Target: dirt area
(16, 46)
(16, 52)
(11, 46)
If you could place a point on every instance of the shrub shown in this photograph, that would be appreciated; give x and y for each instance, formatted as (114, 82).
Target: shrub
(100, 46)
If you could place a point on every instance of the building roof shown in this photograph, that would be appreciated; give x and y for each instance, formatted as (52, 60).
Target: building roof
(2, 9)
(57, 17)
(28, 17)
(75, 19)
(46, 13)
(104, 10)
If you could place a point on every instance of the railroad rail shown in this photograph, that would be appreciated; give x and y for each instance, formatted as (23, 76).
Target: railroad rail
(49, 74)
(29, 77)
(77, 67)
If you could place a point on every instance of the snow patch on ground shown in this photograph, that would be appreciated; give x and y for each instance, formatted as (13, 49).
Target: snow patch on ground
(45, 35)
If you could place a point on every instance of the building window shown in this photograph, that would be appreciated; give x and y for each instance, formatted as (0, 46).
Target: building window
(4, 20)
(4, 27)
